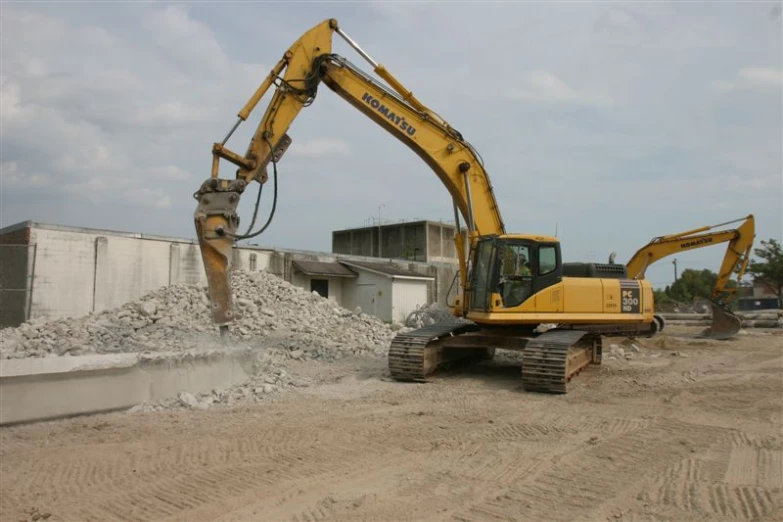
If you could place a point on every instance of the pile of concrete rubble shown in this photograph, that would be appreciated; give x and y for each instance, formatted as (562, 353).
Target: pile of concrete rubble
(271, 312)
(431, 314)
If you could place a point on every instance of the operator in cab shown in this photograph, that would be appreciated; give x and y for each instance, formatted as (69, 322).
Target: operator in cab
(515, 275)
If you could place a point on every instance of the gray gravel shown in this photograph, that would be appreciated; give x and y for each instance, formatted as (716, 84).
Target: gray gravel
(272, 313)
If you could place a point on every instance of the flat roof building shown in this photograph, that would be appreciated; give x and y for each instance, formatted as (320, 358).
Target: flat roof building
(424, 241)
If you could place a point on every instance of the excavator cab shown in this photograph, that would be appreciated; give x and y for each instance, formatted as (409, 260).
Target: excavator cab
(514, 267)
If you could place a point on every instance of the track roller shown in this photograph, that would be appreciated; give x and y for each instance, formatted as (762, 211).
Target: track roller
(552, 359)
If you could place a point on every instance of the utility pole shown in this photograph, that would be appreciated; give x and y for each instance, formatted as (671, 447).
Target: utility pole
(674, 262)
(379, 231)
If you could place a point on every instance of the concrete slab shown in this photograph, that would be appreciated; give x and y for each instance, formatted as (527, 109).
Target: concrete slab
(55, 387)
(64, 364)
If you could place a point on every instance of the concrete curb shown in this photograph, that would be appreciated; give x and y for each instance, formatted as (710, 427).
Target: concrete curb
(56, 387)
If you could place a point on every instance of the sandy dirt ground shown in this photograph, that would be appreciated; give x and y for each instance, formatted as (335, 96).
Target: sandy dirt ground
(684, 430)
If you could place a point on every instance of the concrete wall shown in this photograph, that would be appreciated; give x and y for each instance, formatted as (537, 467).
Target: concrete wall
(446, 284)
(16, 275)
(56, 271)
(66, 271)
(372, 292)
(78, 272)
(359, 242)
(185, 264)
(125, 267)
(247, 260)
(335, 285)
(440, 243)
(423, 241)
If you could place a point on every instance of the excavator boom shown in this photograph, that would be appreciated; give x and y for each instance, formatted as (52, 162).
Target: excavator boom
(304, 66)
(740, 242)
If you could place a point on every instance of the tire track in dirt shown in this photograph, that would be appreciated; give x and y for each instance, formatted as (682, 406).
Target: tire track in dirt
(447, 477)
(741, 502)
(525, 432)
(86, 474)
(397, 450)
(589, 478)
(334, 495)
(446, 474)
(680, 486)
(755, 466)
(740, 478)
(210, 485)
(484, 460)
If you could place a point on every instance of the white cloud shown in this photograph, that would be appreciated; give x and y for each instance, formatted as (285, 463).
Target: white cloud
(320, 147)
(768, 79)
(167, 172)
(174, 113)
(545, 86)
(98, 116)
(9, 100)
(617, 19)
(185, 42)
(11, 178)
(147, 197)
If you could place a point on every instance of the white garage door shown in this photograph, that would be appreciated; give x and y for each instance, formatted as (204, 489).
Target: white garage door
(406, 296)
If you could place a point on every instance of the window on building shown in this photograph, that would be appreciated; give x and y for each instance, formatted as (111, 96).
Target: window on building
(321, 286)
(252, 262)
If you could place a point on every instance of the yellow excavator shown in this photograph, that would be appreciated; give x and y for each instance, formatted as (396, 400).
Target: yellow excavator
(740, 242)
(509, 284)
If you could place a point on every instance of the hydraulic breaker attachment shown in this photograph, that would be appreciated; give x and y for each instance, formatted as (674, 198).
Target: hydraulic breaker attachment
(216, 223)
(724, 324)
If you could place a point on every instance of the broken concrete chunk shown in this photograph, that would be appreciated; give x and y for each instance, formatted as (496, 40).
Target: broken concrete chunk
(188, 399)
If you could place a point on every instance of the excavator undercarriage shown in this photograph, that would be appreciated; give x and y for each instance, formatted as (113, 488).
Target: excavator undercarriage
(549, 359)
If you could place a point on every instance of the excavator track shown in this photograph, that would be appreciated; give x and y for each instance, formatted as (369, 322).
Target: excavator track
(553, 358)
(415, 355)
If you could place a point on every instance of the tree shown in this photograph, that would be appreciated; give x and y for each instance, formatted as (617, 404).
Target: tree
(770, 270)
(662, 300)
(692, 285)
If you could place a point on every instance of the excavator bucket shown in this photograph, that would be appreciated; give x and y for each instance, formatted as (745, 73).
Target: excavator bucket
(724, 324)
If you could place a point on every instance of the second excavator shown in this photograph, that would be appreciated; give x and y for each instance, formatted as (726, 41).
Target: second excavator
(740, 242)
(509, 284)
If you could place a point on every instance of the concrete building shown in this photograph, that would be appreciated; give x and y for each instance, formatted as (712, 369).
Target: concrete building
(425, 241)
(53, 271)
(385, 290)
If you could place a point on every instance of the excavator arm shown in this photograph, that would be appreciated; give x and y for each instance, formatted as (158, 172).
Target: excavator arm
(304, 66)
(740, 243)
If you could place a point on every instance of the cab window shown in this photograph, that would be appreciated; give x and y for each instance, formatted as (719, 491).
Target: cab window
(515, 282)
(547, 260)
(514, 260)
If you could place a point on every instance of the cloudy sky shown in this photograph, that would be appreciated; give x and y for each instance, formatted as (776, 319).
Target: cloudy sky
(609, 123)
